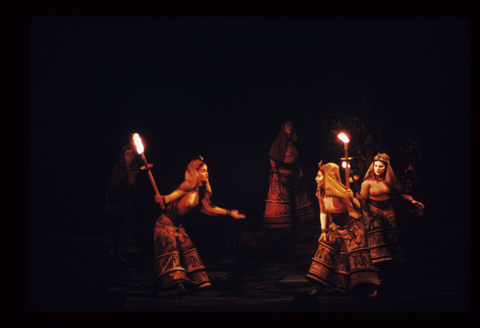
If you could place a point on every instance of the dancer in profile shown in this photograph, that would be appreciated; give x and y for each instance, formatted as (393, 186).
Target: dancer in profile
(287, 201)
(379, 189)
(176, 261)
(342, 261)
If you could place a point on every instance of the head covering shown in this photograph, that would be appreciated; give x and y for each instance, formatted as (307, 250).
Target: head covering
(279, 146)
(333, 185)
(119, 172)
(390, 178)
(192, 178)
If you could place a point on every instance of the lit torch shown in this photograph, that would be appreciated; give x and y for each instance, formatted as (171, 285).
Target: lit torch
(140, 150)
(342, 136)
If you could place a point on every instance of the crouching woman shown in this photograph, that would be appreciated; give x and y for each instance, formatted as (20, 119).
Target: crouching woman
(176, 261)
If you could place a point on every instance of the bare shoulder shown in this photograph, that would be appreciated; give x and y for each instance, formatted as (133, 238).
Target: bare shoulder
(366, 183)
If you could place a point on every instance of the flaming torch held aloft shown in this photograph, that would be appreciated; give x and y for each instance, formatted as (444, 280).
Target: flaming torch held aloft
(137, 141)
(342, 136)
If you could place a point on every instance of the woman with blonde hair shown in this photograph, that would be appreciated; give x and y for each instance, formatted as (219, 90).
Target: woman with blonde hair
(342, 261)
(176, 261)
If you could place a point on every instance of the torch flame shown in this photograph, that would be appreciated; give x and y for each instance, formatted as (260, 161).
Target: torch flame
(342, 136)
(138, 143)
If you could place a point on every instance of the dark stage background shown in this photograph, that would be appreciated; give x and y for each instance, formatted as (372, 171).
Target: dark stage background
(222, 86)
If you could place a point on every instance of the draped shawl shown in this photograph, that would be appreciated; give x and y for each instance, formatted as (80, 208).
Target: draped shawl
(334, 186)
(192, 182)
(279, 146)
(390, 178)
(119, 172)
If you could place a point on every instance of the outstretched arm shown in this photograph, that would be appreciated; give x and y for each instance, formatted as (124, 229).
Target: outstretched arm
(163, 200)
(209, 207)
(414, 202)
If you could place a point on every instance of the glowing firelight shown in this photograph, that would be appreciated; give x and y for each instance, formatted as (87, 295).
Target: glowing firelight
(138, 143)
(342, 136)
(346, 165)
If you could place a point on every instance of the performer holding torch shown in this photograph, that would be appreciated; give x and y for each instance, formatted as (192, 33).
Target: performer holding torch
(177, 263)
(342, 261)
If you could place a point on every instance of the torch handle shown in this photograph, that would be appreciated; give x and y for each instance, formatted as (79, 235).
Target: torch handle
(152, 180)
(153, 183)
(347, 175)
(347, 168)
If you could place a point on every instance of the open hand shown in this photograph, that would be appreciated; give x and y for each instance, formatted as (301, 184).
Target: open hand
(414, 202)
(235, 214)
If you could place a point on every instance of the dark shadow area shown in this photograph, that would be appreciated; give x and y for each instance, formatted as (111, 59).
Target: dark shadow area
(221, 87)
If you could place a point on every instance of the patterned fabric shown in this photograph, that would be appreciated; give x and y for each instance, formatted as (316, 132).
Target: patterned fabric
(279, 147)
(120, 230)
(382, 235)
(176, 260)
(343, 262)
(287, 200)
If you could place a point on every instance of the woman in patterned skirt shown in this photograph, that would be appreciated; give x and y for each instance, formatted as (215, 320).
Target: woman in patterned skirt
(342, 261)
(176, 261)
(379, 189)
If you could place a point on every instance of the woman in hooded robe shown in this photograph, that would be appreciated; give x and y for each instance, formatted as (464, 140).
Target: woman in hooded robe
(120, 230)
(287, 197)
(379, 188)
(176, 261)
(342, 261)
